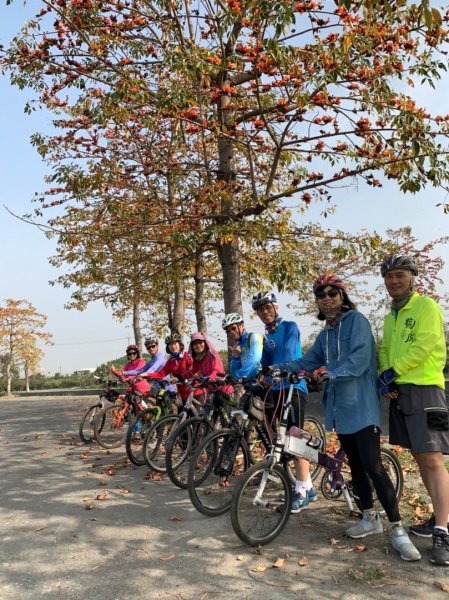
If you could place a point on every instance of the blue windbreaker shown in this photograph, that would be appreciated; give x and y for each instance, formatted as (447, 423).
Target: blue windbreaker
(351, 401)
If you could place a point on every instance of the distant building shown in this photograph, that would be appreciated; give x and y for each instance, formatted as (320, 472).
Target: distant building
(84, 371)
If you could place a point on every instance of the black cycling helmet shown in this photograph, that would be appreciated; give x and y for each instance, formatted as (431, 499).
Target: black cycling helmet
(398, 261)
(150, 340)
(262, 298)
(173, 337)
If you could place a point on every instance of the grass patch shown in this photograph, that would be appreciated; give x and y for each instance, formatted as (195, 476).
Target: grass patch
(369, 575)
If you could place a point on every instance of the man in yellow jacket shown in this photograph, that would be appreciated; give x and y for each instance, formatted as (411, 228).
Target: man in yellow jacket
(412, 358)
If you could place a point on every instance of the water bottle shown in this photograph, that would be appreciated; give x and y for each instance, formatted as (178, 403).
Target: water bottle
(311, 440)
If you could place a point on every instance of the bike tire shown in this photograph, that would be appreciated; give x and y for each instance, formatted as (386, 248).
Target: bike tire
(110, 426)
(259, 521)
(86, 427)
(181, 446)
(155, 442)
(313, 426)
(135, 439)
(209, 491)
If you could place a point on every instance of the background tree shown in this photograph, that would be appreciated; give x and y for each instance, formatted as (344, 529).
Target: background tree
(241, 112)
(20, 327)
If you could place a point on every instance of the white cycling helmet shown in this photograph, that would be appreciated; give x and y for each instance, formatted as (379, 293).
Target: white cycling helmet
(231, 319)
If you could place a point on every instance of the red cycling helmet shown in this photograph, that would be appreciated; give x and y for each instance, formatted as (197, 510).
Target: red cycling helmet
(333, 280)
(133, 347)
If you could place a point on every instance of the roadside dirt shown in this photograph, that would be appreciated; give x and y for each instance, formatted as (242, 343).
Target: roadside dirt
(141, 538)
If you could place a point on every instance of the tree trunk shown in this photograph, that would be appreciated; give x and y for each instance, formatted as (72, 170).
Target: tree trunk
(228, 253)
(200, 312)
(229, 257)
(136, 325)
(27, 377)
(179, 308)
(8, 375)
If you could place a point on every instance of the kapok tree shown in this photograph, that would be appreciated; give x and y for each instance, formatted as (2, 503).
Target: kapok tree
(280, 101)
(20, 325)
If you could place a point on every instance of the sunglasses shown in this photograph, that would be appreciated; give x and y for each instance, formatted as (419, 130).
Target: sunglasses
(331, 293)
(132, 354)
(151, 346)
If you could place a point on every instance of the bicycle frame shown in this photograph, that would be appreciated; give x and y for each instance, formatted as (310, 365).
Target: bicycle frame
(303, 445)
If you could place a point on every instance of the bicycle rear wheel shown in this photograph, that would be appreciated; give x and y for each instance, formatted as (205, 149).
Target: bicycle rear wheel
(394, 470)
(155, 442)
(214, 469)
(261, 504)
(136, 434)
(110, 426)
(86, 427)
(180, 448)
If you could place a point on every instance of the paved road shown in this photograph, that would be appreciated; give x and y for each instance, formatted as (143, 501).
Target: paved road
(146, 541)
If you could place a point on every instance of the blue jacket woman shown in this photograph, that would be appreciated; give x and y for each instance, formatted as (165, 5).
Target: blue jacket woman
(347, 351)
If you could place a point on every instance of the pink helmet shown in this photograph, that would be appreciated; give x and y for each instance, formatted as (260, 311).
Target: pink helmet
(324, 280)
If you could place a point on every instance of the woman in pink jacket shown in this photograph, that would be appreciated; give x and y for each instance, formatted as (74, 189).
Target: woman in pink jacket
(206, 360)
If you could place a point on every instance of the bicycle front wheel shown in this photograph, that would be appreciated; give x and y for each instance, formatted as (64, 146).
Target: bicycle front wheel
(155, 442)
(86, 428)
(313, 426)
(261, 504)
(214, 469)
(110, 426)
(180, 448)
(136, 434)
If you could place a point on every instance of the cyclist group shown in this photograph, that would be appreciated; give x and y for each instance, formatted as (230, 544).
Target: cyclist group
(343, 360)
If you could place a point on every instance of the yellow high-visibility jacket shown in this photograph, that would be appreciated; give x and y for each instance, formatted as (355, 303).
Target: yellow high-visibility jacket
(414, 344)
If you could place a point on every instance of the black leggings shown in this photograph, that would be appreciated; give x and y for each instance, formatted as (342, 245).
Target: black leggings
(363, 451)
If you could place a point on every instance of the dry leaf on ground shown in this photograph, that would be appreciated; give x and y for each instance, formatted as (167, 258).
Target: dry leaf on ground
(102, 497)
(167, 557)
(302, 562)
(258, 569)
(444, 587)
(176, 519)
(279, 563)
(360, 548)
(89, 505)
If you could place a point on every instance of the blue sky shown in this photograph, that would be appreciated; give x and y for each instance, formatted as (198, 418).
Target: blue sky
(86, 339)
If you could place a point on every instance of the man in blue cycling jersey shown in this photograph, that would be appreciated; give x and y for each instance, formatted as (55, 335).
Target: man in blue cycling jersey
(282, 344)
(246, 351)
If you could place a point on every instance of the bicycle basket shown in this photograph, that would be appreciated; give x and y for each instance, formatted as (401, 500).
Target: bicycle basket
(256, 408)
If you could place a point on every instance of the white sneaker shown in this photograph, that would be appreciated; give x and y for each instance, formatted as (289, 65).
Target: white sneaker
(402, 543)
(369, 524)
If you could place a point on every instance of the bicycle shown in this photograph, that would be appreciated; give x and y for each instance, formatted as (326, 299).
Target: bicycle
(333, 483)
(261, 502)
(183, 441)
(110, 424)
(156, 437)
(225, 454)
(108, 394)
(162, 405)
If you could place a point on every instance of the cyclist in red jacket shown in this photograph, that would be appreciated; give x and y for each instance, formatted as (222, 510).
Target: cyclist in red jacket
(179, 364)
